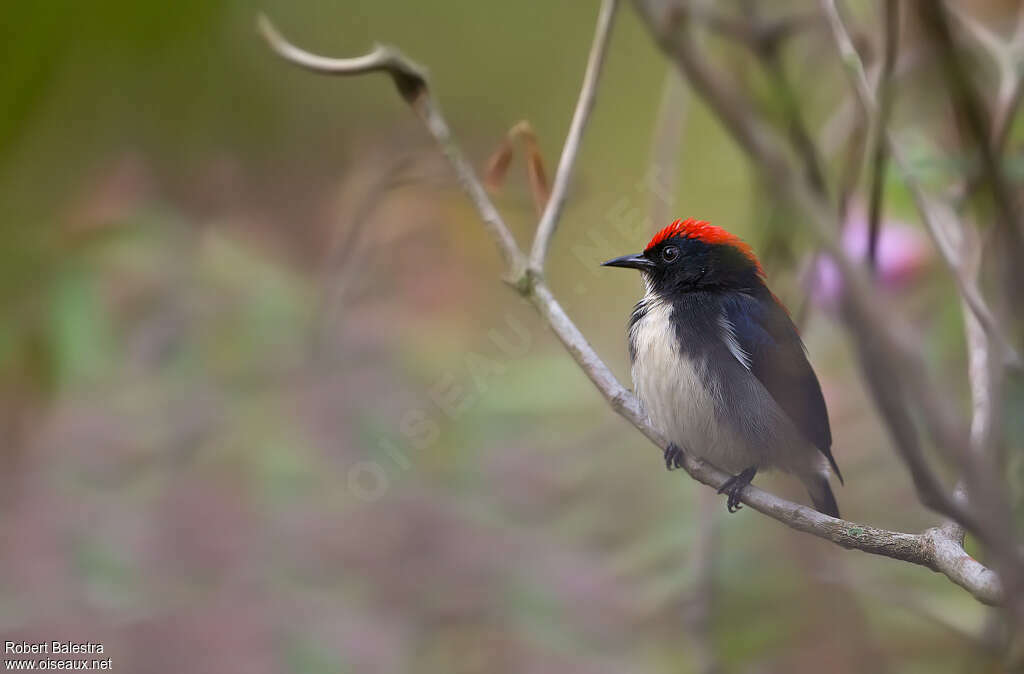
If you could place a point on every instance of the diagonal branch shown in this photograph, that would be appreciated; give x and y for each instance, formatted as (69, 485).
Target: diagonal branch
(931, 549)
(588, 92)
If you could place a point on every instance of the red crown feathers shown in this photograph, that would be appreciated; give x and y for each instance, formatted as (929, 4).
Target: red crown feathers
(706, 232)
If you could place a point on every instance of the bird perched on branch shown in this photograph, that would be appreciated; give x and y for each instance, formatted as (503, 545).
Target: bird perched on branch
(719, 366)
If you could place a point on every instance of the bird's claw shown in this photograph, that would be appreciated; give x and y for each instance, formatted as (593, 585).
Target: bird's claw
(734, 487)
(673, 456)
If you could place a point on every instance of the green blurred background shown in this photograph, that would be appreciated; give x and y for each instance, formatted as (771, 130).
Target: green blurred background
(267, 406)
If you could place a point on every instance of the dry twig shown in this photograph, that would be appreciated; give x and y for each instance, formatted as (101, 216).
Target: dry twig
(497, 165)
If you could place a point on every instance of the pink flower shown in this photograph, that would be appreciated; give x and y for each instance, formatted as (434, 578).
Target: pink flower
(903, 252)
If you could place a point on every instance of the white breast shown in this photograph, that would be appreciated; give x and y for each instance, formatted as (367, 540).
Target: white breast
(680, 401)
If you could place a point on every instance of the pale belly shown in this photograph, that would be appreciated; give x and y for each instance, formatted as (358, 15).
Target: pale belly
(680, 400)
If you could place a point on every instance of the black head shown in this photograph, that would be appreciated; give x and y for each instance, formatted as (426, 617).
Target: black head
(692, 255)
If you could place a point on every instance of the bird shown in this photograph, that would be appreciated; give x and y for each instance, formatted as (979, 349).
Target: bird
(719, 366)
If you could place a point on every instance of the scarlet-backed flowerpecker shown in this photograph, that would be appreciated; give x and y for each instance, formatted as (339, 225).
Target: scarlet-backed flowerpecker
(719, 366)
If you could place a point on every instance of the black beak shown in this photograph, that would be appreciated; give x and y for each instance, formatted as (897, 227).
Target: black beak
(630, 262)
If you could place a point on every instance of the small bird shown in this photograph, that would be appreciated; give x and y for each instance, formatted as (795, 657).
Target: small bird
(719, 365)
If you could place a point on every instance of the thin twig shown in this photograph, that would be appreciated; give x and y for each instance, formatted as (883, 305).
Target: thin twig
(931, 549)
(409, 77)
(984, 381)
(588, 93)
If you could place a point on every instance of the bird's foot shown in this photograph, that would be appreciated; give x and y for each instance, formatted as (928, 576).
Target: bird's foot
(673, 456)
(734, 487)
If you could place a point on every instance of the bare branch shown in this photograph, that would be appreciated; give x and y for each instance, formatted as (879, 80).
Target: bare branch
(410, 78)
(588, 92)
(948, 558)
(984, 383)
(932, 549)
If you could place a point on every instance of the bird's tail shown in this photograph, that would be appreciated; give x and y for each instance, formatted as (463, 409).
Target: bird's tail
(821, 494)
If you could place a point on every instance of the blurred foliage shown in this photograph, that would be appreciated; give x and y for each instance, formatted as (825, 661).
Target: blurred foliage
(244, 431)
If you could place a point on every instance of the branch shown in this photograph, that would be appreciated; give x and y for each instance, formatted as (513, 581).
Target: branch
(985, 383)
(410, 78)
(931, 549)
(588, 92)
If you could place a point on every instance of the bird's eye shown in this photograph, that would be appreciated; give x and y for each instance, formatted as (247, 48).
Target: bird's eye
(670, 254)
